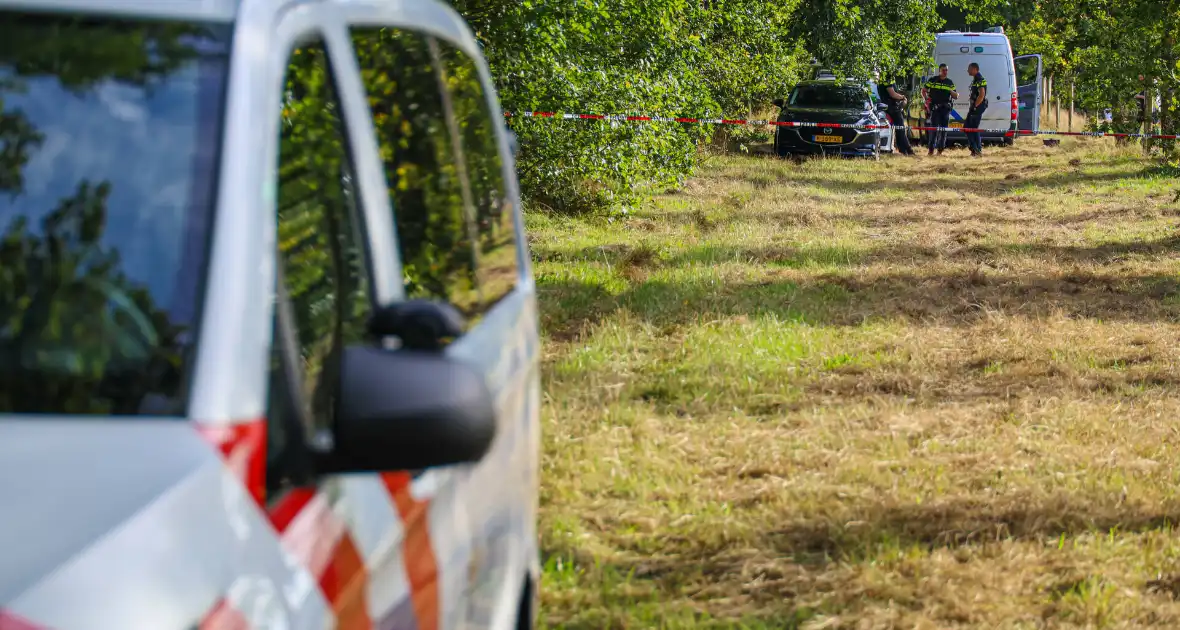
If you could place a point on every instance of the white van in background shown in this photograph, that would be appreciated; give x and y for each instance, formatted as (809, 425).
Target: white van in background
(1013, 83)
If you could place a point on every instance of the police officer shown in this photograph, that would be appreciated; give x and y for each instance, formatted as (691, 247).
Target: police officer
(940, 93)
(975, 113)
(896, 101)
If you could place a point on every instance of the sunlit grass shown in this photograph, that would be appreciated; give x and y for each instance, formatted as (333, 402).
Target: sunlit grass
(908, 393)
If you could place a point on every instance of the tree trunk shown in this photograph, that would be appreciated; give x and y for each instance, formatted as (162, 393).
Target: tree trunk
(1145, 110)
(1071, 95)
(1056, 107)
(1168, 85)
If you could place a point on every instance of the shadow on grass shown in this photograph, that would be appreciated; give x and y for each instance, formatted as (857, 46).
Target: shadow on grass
(964, 246)
(864, 532)
(881, 219)
(840, 299)
(936, 215)
(961, 175)
(772, 571)
(962, 523)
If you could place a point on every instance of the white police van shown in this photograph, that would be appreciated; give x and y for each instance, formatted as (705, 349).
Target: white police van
(270, 352)
(1013, 83)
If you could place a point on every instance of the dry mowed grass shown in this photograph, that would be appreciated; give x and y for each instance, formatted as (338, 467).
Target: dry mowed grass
(917, 393)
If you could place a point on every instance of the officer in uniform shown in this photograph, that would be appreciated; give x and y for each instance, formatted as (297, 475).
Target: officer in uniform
(940, 93)
(975, 113)
(896, 101)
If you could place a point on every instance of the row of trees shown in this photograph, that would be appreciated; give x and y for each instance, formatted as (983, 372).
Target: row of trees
(732, 57)
(683, 57)
(1101, 48)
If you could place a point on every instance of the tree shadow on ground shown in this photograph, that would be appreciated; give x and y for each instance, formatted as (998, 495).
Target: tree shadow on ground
(1014, 215)
(951, 174)
(790, 560)
(963, 246)
(884, 218)
(571, 308)
(963, 179)
(859, 532)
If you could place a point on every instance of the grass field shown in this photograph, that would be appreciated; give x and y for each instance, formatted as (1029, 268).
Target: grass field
(916, 393)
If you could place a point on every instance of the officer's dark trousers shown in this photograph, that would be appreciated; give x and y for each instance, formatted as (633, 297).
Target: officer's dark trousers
(974, 139)
(940, 116)
(901, 134)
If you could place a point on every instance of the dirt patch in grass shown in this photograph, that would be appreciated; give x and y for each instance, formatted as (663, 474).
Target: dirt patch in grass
(843, 394)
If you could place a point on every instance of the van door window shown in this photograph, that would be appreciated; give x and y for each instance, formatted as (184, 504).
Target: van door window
(422, 167)
(321, 250)
(494, 215)
(455, 228)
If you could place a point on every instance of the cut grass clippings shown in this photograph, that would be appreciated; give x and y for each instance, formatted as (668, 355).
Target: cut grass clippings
(920, 393)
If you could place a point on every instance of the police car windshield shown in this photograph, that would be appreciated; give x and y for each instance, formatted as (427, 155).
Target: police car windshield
(108, 153)
(829, 95)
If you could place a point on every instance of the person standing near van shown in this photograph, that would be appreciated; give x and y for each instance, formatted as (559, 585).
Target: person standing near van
(940, 93)
(896, 101)
(975, 113)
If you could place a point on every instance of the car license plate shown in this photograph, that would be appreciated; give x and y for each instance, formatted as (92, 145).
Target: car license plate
(829, 139)
(956, 125)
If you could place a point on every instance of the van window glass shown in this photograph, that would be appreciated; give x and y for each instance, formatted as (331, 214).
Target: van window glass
(436, 233)
(1026, 71)
(320, 240)
(109, 132)
(476, 122)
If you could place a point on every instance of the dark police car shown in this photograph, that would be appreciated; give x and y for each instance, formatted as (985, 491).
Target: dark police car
(830, 100)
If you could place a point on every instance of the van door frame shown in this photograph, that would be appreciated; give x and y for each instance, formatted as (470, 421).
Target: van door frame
(1037, 100)
(502, 345)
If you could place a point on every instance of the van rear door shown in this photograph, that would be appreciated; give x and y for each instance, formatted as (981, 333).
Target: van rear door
(1028, 91)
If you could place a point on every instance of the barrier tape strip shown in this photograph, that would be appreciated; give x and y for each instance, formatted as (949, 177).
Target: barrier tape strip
(775, 123)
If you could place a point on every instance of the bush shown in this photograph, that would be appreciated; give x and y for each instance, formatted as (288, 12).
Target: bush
(580, 166)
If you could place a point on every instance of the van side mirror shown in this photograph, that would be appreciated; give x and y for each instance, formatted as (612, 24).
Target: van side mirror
(407, 410)
(779, 103)
(410, 408)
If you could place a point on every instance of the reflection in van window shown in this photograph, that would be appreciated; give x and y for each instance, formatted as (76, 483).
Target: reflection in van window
(401, 74)
(494, 216)
(108, 153)
(1026, 71)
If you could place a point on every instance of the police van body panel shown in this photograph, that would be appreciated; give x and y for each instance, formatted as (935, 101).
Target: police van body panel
(278, 365)
(1013, 84)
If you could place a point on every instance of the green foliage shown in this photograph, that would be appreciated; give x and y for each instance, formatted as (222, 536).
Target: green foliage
(746, 59)
(1102, 47)
(612, 57)
(858, 37)
(681, 57)
(731, 57)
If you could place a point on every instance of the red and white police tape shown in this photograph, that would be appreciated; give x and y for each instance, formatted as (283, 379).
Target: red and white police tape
(775, 123)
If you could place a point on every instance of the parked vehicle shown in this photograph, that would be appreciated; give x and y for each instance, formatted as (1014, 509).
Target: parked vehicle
(1013, 84)
(270, 351)
(831, 100)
